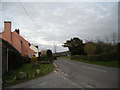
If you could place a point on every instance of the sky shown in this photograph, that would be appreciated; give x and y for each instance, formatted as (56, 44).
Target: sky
(47, 24)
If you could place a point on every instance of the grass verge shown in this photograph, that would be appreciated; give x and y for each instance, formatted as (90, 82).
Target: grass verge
(113, 63)
(45, 69)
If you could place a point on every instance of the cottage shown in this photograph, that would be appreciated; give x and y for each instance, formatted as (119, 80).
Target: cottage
(16, 40)
(35, 49)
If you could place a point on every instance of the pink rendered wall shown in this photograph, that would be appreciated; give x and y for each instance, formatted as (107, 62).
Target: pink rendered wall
(21, 44)
(26, 48)
(16, 42)
(6, 35)
(0, 35)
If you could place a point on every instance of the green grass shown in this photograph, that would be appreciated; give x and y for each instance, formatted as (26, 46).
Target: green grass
(113, 63)
(45, 69)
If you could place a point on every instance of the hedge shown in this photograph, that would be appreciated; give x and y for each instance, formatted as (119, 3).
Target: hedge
(15, 59)
(102, 57)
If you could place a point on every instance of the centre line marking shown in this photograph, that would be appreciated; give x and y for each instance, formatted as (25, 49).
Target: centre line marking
(94, 68)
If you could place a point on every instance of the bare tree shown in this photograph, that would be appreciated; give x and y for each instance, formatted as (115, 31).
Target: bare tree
(106, 39)
(114, 37)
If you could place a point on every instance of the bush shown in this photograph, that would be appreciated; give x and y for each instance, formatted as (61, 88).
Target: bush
(15, 60)
(26, 59)
(55, 57)
(102, 57)
(47, 56)
(90, 48)
(34, 61)
(9, 53)
(43, 58)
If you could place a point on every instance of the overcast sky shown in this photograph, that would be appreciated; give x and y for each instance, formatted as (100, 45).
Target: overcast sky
(46, 23)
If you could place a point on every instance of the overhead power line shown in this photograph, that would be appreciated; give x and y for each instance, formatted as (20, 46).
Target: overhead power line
(28, 14)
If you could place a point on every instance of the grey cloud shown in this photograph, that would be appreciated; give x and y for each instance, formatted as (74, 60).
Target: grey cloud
(58, 22)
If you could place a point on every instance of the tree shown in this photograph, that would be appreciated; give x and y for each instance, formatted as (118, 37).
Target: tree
(75, 46)
(106, 39)
(49, 55)
(114, 37)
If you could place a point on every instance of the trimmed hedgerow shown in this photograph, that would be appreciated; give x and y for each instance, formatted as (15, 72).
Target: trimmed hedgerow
(102, 57)
(15, 59)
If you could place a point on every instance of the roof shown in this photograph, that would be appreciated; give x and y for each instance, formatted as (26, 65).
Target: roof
(20, 36)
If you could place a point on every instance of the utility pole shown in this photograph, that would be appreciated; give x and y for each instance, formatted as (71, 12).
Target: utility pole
(55, 47)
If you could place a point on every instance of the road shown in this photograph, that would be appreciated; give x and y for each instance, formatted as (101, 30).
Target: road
(73, 74)
(89, 75)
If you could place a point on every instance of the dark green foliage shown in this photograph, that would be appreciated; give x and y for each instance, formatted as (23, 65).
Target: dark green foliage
(118, 47)
(104, 48)
(45, 69)
(99, 48)
(102, 57)
(49, 55)
(90, 48)
(43, 58)
(75, 46)
(39, 58)
(102, 51)
(55, 57)
(15, 59)
(26, 59)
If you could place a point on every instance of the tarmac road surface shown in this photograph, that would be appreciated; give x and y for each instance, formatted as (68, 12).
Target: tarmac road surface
(73, 74)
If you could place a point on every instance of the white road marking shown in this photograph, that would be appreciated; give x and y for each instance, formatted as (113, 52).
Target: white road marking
(55, 65)
(66, 74)
(72, 63)
(75, 84)
(89, 86)
(44, 83)
(94, 68)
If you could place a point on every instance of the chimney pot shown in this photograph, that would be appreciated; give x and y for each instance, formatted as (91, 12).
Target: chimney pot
(17, 30)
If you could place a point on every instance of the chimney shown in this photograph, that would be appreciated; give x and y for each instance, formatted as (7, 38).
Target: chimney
(36, 46)
(17, 30)
(7, 26)
(7, 31)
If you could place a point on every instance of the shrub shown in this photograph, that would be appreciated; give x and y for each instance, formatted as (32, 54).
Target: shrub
(34, 61)
(102, 57)
(15, 60)
(47, 55)
(90, 48)
(9, 53)
(44, 58)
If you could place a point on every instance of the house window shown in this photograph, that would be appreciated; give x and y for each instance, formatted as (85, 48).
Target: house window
(21, 46)
(35, 52)
(20, 41)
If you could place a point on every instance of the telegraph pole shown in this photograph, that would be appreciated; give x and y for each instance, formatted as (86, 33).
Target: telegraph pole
(55, 47)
